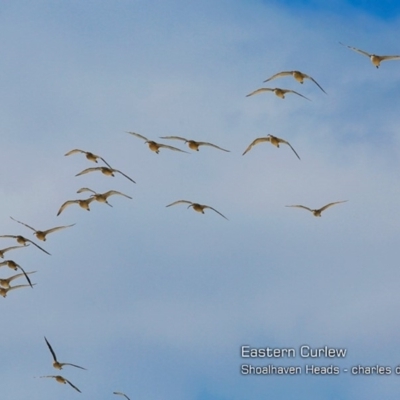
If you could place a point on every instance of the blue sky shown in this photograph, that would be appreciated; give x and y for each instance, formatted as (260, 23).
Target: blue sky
(156, 302)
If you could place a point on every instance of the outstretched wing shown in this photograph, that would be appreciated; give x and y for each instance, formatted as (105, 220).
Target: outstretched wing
(173, 137)
(41, 248)
(293, 91)
(171, 147)
(285, 142)
(357, 50)
(139, 136)
(312, 79)
(105, 162)
(74, 365)
(178, 202)
(212, 145)
(126, 176)
(211, 208)
(23, 224)
(113, 192)
(278, 75)
(331, 204)
(256, 141)
(81, 190)
(384, 58)
(261, 90)
(122, 394)
(65, 205)
(26, 276)
(87, 170)
(74, 151)
(51, 350)
(66, 380)
(57, 228)
(300, 206)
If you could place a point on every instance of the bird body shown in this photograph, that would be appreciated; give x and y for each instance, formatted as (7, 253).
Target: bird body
(61, 379)
(83, 203)
(102, 197)
(5, 282)
(8, 249)
(90, 156)
(23, 240)
(4, 291)
(105, 171)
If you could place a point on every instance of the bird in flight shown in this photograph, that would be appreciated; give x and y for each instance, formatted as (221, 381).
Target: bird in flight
(104, 170)
(4, 291)
(375, 59)
(278, 92)
(5, 282)
(192, 143)
(41, 235)
(90, 156)
(299, 76)
(317, 212)
(61, 379)
(196, 206)
(13, 265)
(83, 203)
(122, 394)
(273, 140)
(23, 240)
(57, 364)
(10, 248)
(154, 146)
(102, 197)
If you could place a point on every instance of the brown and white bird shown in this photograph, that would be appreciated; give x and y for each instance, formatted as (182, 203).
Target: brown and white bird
(23, 240)
(299, 76)
(90, 156)
(104, 171)
(102, 197)
(57, 364)
(317, 212)
(83, 203)
(196, 206)
(154, 146)
(2, 251)
(41, 235)
(4, 291)
(61, 379)
(5, 282)
(192, 144)
(13, 265)
(375, 59)
(278, 92)
(122, 394)
(273, 140)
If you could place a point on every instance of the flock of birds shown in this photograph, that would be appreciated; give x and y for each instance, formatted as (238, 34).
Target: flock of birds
(107, 170)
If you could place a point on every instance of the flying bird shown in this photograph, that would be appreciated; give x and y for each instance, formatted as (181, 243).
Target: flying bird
(83, 203)
(102, 197)
(57, 364)
(192, 143)
(375, 59)
(4, 291)
(279, 92)
(154, 146)
(61, 379)
(317, 212)
(41, 235)
(13, 265)
(299, 76)
(10, 248)
(104, 170)
(196, 206)
(23, 240)
(90, 156)
(273, 140)
(5, 282)
(122, 394)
